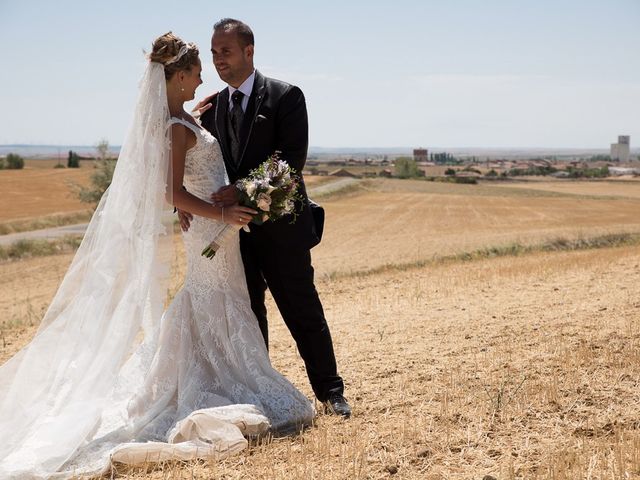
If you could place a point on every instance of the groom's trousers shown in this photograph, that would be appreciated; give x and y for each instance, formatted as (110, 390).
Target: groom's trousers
(288, 274)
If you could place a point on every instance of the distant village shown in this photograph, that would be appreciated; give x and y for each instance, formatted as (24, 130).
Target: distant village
(424, 163)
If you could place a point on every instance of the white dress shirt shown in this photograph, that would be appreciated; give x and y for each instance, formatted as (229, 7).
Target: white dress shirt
(246, 88)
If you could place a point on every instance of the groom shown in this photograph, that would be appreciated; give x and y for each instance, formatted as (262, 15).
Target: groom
(252, 118)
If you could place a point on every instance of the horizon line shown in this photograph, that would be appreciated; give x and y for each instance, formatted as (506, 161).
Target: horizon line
(358, 148)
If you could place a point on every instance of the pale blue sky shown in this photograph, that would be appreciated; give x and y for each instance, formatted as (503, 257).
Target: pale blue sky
(457, 73)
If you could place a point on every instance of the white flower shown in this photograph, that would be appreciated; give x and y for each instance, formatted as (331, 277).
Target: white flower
(264, 202)
(263, 184)
(288, 206)
(249, 187)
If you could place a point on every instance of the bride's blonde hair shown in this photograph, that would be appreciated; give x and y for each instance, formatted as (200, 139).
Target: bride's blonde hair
(176, 55)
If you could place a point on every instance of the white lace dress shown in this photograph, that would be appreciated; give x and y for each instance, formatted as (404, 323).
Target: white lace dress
(211, 381)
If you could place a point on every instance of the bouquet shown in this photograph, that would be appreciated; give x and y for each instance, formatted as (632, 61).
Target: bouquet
(271, 190)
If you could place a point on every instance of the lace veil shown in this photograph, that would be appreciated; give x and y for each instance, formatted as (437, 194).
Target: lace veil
(90, 350)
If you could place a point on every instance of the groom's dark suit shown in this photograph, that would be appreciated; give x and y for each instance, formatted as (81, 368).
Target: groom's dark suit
(276, 254)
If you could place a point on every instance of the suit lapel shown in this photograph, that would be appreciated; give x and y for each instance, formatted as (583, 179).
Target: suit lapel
(222, 109)
(255, 100)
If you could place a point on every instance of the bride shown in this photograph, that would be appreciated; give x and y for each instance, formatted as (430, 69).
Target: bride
(110, 378)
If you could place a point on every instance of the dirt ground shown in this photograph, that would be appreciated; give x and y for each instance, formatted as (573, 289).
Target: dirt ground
(515, 367)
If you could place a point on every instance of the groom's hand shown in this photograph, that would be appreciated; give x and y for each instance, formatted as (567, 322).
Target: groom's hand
(203, 105)
(185, 219)
(226, 196)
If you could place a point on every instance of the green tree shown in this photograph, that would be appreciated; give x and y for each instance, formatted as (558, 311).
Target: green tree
(101, 178)
(1, 163)
(450, 171)
(405, 167)
(73, 160)
(15, 161)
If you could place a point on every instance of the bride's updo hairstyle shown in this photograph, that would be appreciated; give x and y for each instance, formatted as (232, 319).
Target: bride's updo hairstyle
(174, 54)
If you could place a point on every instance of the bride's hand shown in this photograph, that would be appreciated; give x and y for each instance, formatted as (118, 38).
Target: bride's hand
(185, 219)
(238, 215)
(203, 105)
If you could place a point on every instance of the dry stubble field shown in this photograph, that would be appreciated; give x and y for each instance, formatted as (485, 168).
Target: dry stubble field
(516, 367)
(41, 190)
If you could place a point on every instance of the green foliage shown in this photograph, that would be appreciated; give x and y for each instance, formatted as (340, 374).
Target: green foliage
(102, 149)
(40, 223)
(100, 181)
(27, 248)
(453, 179)
(73, 160)
(101, 178)
(532, 171)
(450, 172)
(405, 167)
(588, 172)
(445, 159)
(491, 173)
(599, 158)
(2, 165)
(15, 161)
(464, 180)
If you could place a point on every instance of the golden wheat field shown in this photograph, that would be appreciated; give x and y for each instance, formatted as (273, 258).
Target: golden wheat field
(518, 366)
(621, 187)
(40, 189)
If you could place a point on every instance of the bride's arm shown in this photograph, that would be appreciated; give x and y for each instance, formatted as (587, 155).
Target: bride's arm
(182, 199)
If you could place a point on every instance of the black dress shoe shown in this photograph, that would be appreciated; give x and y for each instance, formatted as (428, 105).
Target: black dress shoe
(337, 405)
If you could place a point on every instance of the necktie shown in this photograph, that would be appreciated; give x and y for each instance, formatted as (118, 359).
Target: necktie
(236, 122)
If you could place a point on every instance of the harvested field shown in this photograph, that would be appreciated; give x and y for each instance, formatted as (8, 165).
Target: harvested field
(40, 196)
(417, 220)
(606, 188)
(516, 367)
(40, 190)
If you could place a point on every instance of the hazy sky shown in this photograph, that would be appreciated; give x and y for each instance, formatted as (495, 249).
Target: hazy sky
(448, 73)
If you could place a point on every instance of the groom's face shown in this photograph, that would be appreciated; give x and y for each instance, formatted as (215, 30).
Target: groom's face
(233, 62)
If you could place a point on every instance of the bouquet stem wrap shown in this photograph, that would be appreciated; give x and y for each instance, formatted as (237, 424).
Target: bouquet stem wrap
(226, 235)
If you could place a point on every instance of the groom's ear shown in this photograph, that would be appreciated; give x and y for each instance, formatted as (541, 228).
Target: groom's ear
(248, 51)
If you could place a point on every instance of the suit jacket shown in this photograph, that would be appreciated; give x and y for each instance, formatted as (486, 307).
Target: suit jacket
(275, 120)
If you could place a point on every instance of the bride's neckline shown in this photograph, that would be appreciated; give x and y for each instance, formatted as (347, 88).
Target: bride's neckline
(182, 120)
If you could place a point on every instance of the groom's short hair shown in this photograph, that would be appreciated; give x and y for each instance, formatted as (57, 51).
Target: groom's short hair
(245, 34)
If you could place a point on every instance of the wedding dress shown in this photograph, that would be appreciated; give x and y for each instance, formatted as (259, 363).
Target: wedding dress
(109, 377)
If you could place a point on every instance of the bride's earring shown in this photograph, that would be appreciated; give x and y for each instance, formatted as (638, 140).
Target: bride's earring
(182, 89)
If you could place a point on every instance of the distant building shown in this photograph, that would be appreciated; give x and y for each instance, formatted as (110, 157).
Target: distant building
(620, 150)
(420, 154)
(618, 171)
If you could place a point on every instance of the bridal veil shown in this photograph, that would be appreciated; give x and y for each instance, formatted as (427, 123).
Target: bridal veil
(95, 342)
